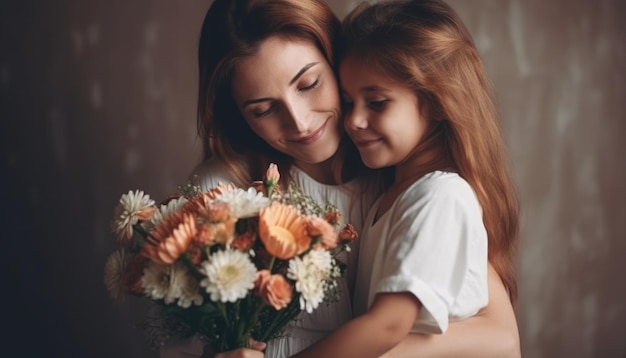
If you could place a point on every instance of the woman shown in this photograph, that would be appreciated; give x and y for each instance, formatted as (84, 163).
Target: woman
(268, 93)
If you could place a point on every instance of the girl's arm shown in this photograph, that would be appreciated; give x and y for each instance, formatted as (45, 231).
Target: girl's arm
(382, 327)
(491, 333)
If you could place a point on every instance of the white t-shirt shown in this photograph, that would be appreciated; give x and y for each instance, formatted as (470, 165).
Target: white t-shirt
(353, 202)
(432, 243)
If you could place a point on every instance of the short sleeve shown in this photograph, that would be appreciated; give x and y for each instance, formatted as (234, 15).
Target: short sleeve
(437, 250)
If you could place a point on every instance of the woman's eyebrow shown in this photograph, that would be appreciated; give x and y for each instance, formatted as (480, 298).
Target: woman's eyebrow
(302, 71)
(294, 79)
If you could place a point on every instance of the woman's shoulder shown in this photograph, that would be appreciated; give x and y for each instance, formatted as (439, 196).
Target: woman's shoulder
(211, 172)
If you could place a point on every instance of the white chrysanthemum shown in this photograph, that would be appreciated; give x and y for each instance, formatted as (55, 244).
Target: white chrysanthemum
(156, 280)
(114, 269)
(171, 283)
(131, 208)
(244, 203)
(230, 275)
(183, 287)
(310, 273)
(322, 259)
(190, 293)
(164, 211)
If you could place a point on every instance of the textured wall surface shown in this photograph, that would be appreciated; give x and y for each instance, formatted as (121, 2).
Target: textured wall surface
(98, 97)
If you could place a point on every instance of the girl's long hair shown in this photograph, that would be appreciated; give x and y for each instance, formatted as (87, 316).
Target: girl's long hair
(424, 44)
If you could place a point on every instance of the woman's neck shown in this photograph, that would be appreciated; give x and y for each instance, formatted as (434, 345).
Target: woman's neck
(323, 172)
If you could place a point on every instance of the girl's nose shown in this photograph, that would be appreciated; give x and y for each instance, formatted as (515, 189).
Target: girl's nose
(355, 119)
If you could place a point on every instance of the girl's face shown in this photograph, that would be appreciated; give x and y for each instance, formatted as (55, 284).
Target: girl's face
(288, 94)
(382, 116)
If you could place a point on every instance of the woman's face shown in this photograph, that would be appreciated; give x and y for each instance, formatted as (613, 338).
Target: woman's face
(288, 94)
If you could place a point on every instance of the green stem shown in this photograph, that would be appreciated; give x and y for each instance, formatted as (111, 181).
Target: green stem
(140, 229)
(192, 268)
(269, 268)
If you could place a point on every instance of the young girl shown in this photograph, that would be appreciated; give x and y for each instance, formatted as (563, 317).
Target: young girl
(417, 101)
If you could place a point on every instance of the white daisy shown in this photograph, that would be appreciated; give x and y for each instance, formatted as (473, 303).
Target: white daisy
(230, 275)
(131, 208)
(171, 283)
(164, 211)
(183, 287)
(156, 280)
(310, 273)
(244, 203)
(114, 269)
(190, 293)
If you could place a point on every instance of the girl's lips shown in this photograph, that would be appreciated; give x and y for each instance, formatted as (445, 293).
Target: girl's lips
(313, 137)
(364, 143)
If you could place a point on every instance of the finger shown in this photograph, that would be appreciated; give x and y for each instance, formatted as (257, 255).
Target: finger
(256, 345)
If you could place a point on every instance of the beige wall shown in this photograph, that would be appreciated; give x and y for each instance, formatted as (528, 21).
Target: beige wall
(98, 97)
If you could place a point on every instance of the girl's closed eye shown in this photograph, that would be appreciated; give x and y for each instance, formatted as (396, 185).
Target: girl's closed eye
(377, 104)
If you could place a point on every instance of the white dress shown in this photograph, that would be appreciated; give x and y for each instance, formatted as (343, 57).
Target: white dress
(432, 243)
(353, 203)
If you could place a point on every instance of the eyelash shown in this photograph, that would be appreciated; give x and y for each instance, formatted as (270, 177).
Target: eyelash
(310, 87)
(377, 105)
(313, 85)
(264, 113)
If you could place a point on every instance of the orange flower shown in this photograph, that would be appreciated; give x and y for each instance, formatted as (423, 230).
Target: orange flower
(203, 200)
(220, 189)
(273, 289)
(243, 242)
(216, 211)
(283, 231)
(348, 233)
(171, 238)
(332, 217)
(216, 225)
(196, 253)
(321, 231)
(216, 233)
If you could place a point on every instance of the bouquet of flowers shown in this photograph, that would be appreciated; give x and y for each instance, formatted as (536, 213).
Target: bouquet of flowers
(229, 263)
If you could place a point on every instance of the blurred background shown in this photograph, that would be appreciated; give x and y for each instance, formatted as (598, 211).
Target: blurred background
(98, 97)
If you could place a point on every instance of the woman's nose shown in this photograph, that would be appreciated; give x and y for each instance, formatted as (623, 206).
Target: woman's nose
(298, 116)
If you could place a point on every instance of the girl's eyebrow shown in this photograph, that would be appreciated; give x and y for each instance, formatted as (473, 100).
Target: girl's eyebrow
(374, 88)
(302, 71)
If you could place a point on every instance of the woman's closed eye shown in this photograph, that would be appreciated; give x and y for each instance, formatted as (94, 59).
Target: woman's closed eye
(308, 87)
(262, 112)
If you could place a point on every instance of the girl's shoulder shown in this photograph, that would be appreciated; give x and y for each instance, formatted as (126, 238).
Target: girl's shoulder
(438, 186)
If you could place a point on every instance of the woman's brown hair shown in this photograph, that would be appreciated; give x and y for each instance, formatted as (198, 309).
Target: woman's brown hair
(235, 29)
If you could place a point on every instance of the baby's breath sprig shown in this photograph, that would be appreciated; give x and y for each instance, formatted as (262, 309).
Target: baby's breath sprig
(190, 188)
(304, 203)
